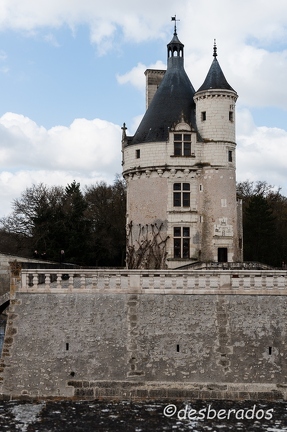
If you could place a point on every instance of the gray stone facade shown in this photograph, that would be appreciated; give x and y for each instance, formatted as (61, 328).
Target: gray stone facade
(139, 340)
(154, 340)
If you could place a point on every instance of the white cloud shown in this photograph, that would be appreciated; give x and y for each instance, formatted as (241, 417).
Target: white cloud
(261, 153)
(3, 55)
(228, 20)
(52, 40)
(12, 184)
(135, 124)
(85, 145)
(137, 20)
(245, 31)
(136, 75)
(252, 52)
(4, 69)
(87, 150)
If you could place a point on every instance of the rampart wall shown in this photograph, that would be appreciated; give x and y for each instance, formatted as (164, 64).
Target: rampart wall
(143, 334)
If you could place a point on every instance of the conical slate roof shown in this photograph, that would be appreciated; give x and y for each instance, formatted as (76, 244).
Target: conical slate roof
(172, 102)
(215, 78)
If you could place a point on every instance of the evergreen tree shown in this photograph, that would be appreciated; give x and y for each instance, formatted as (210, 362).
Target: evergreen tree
(89, 227)
(107, 213)
(264, 223)
(259, 230)
(75, 229)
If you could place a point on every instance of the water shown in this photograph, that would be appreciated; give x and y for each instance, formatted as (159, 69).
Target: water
(103, 416)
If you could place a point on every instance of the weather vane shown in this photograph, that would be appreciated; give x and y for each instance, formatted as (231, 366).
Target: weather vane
(175, 20)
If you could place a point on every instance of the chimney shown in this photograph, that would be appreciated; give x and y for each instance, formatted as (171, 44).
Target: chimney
(153, 80)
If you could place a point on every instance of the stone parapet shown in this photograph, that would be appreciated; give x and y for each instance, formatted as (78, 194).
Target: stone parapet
(254, 282)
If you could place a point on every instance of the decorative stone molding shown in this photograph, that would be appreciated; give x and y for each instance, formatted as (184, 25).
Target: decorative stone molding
(210, 94)
(223, 229)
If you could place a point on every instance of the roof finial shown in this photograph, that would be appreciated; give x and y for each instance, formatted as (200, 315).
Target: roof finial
(174, 19)
(124, 135)
(214, 49)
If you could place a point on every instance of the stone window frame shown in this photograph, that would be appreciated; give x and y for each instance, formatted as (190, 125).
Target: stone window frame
(182, 142)
(181, 194)
(181, 242)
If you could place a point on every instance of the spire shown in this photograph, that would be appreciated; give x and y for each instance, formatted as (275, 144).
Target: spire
(175, 48)
(174, 19)
(214, 49)
(215, 78)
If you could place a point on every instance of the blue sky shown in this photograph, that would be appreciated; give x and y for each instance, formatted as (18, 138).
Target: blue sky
(71, 72)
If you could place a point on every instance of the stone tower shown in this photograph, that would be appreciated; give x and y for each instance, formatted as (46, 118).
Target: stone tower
(180, 170)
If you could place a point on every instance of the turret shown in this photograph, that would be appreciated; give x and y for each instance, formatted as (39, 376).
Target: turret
(215, 105)
(215, 118)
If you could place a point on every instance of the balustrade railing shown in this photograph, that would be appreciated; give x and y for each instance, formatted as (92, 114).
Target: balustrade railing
(156, 281)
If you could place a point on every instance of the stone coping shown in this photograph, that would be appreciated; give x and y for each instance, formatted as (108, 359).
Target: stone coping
(136, 390)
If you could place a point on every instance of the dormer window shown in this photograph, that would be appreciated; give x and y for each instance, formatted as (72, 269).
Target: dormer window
(182, 144)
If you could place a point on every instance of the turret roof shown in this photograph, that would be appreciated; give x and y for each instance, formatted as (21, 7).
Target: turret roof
(215, 78)
(172, 102)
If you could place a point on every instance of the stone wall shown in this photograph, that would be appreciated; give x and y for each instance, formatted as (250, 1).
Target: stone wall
(220, 224)
(5, 261)
(217, 104)
(141, 344)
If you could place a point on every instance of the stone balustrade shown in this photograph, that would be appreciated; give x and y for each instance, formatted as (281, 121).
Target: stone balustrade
(271, 282)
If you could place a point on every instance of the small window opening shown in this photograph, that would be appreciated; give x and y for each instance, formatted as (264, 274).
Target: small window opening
(229, 155)
(203, 116)
(177, 348)
(270, 350)
(231, 116)
(138, 154)
(67, 347)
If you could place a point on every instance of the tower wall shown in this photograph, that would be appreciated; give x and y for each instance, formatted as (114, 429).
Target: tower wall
(220, 231)
(215, 114)
(217, 206)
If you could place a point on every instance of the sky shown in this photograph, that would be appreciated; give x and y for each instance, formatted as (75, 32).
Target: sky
(72, 72)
